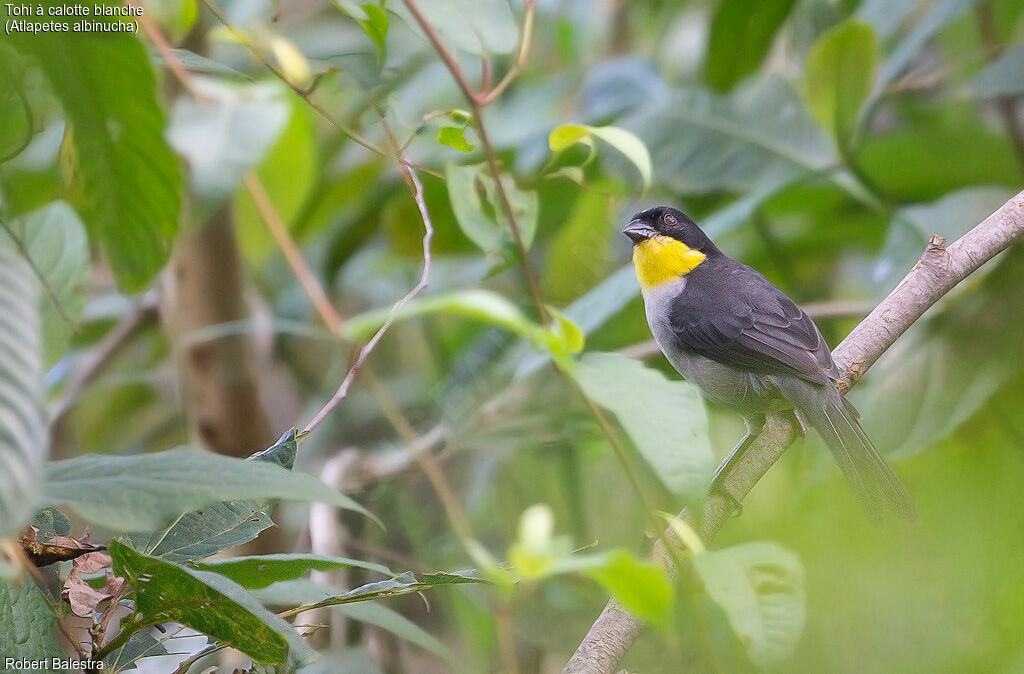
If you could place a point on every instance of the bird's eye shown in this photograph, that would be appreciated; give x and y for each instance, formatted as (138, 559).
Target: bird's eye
(670, 219)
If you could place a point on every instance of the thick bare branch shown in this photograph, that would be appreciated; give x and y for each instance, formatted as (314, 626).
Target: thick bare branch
(939, 270)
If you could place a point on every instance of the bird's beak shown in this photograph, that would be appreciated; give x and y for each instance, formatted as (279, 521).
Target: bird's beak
(638, 230)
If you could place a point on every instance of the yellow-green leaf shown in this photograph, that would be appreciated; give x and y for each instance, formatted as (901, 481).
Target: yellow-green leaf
(455, 138)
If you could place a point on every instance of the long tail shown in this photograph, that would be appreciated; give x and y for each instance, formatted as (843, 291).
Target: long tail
(874, 482)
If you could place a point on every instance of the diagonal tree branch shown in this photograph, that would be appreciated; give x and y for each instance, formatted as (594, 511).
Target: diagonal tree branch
(938, 271)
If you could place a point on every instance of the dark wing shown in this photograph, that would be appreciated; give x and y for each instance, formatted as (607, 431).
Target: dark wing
(737, 317)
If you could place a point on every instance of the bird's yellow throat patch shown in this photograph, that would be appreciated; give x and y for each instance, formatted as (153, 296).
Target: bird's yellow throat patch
(662, 259)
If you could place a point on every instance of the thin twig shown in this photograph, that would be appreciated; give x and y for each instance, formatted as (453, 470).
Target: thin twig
(293, 255)
(364, 353)
(476, 103)
(940, 269)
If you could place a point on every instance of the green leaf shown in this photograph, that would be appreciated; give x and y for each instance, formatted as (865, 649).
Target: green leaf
(56, 242)
(740, 22)
(622, 140)
(584, 236)
(16, 117)
(288, 174)
(209, 603)
(142, 492)
(912, 163)
(175, 18)
(491, 234)
(760, 137)
(202, 65)
(838, 76)
(641, 587)
(1002, 77)
(455, 138)
(665, 419)
(26, 624)
(50, 522)
(205, 532)
(468, 207)
(23, 431)
(570, 333)
(376, 27)
(478, 27)
(760, 586)
(567, 135)
(259, 571)
(479, 305)
(130, 178)
(228, 133)
(406, 583)
(141, 645)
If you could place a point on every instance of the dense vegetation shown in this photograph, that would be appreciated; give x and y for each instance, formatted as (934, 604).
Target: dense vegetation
(209, 226)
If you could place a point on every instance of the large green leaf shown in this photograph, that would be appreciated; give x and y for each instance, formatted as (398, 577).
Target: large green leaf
(142, 492)
(259, 571)
(209, 603)
(759, 135)
(228, 133)
(23, 434)
(475, 26)
(205, 532)
(56, 242)
(740, 22)
(665, 419)
(760, 586)
(489, 232)
(130, 180)
(26, 624)
(838, 75)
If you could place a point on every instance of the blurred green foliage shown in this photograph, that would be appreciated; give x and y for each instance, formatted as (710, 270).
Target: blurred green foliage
(821, 142)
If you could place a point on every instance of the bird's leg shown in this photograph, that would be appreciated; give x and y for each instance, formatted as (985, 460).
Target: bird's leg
(754, 426)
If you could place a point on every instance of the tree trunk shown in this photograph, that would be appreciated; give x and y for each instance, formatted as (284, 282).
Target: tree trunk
(219, 374)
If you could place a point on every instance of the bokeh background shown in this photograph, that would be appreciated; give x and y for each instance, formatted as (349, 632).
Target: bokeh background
(821, 141)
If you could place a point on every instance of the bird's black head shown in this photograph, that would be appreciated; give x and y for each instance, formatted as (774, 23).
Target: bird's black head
(667, 221)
